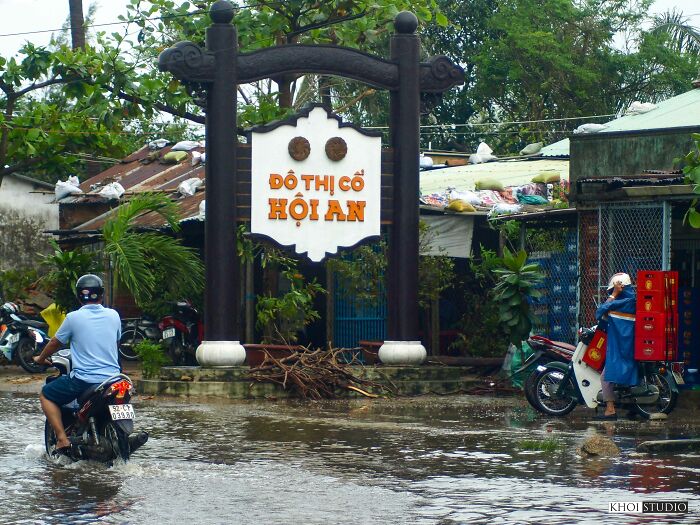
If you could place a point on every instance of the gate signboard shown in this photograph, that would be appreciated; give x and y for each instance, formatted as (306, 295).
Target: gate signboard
(315, 183)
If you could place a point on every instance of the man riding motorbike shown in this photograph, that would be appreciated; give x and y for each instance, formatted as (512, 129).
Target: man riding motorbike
(93, 332)
(620, 368)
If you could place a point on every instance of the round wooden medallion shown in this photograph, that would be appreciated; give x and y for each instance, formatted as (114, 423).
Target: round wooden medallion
(336, 148)
(299, 148)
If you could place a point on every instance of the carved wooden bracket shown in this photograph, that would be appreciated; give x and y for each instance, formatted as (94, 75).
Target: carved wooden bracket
(189, 63)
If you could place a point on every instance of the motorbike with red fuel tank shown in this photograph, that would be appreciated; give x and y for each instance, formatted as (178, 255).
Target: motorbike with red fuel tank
(182, 332)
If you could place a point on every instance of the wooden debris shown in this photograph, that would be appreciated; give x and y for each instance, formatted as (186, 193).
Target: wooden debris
(315, 374)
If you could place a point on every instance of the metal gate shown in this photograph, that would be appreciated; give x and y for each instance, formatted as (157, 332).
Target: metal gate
(357, 321)
(621, 237)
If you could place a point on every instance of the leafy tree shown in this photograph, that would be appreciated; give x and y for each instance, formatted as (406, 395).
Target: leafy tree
(154, 267)
(516, 284)
(64, 267)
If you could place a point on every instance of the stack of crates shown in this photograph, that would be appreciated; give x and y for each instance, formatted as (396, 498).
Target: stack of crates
(688, 322)
(562, 313)
(540, 306)
(656, 329)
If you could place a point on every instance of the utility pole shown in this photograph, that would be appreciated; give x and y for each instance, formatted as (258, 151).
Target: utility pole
(77, 24)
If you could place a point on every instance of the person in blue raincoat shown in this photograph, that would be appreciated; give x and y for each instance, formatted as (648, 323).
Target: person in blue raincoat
(620, 367)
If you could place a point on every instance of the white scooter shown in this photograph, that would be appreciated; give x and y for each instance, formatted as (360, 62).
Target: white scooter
(558, 388)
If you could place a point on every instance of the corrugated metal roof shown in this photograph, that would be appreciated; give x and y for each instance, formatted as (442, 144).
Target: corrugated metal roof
(558, 149)
(676, 112)
(509, 173)
(137, 174)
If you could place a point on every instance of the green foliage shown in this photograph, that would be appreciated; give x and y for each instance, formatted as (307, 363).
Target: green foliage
(361, 271)
(14, 283)
(152, 356)
(516, 284)
(281, 318)
(691, 169)
(544, 445)
(155, 268)
(64, 267)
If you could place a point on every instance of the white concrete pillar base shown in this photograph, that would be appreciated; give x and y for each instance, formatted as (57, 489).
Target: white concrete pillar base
(402, 353)
(216, 354)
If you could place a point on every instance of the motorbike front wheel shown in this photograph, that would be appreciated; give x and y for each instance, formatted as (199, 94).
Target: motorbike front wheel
(130, 338)
(667, 397)
(117, 440)
(545, 396)
(26, 349)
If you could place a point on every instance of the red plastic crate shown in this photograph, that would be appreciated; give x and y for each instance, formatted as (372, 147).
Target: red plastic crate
(648, 281)
(651, 324)
(653, 302)
(654, 349)
(594, 356)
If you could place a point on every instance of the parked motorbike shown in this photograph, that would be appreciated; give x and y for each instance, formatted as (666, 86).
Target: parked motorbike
(100, 423)
(135, 330)
(544, 351)
(557, 388)
(182, 333)
(21, 339)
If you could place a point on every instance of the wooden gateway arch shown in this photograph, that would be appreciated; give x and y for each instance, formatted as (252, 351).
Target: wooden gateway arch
(213, 74)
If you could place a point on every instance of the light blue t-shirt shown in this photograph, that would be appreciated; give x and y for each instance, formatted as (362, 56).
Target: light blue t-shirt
(93, 333)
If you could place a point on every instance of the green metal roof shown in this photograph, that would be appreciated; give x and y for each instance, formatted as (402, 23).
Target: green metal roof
(557, 149)
(508, 172)
(676, 112)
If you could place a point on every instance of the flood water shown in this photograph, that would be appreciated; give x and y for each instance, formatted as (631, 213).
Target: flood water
(428, 460)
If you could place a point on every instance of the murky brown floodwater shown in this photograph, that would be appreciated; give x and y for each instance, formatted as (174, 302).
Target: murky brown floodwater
(439, 460)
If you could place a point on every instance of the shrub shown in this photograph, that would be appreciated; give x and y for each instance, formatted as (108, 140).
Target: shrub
(153, 358)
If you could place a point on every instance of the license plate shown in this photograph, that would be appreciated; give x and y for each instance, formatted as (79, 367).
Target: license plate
(121, 411)
(13, 338)
(168, 333)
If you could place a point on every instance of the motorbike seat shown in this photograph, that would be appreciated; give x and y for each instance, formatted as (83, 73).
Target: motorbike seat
(35, 324)
(91, 390)
(565, 346)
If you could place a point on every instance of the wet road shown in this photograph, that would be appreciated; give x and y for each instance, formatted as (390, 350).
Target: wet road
(429, 460)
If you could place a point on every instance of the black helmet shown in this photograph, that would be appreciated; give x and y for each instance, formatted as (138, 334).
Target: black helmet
(89, 288)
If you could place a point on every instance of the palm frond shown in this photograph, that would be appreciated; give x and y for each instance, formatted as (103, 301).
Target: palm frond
(131, 266)
(682, 36)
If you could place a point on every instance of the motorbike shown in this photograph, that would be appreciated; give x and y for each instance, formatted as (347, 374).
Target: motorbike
(544, 351)
(182, 333)
(135, 330)
(21, 339)
(100, 423)
(557, 388)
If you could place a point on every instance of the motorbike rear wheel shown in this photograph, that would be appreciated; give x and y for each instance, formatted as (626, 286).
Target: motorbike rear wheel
(667, 397)
(117, 440)
(545, 396)
(26, 349)
(130, 338)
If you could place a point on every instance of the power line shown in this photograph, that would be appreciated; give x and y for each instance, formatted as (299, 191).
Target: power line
(133, 20)
(486, 124)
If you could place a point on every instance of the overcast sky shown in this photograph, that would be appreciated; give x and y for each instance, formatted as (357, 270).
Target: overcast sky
(18, 16)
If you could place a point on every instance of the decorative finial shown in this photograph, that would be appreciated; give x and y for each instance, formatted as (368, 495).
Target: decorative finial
(221, 12)
(405, 23)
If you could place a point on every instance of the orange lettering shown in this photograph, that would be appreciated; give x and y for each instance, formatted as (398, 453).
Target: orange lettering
(334, 210)
(356, 210)
(278, 209)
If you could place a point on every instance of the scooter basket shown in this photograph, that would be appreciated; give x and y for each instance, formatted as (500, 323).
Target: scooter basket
(594, 356)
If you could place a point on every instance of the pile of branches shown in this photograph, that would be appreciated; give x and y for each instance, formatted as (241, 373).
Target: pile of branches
(317, 374)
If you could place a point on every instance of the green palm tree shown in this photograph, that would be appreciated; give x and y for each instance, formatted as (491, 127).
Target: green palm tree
(154, 267)
(682, 37)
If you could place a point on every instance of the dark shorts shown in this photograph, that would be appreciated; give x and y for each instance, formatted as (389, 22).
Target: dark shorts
(64, 389)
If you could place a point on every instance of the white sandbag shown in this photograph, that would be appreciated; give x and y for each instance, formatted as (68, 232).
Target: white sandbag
(202, 209)
(74, 180)
(589, 128)
(185, 145)
(65, 188)
(503, 208)
(157, 144)
(425, 162)
(112, 191)
(189, 186)
(637, 108)
(467, 196)
(483, 154)
(196, 158)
